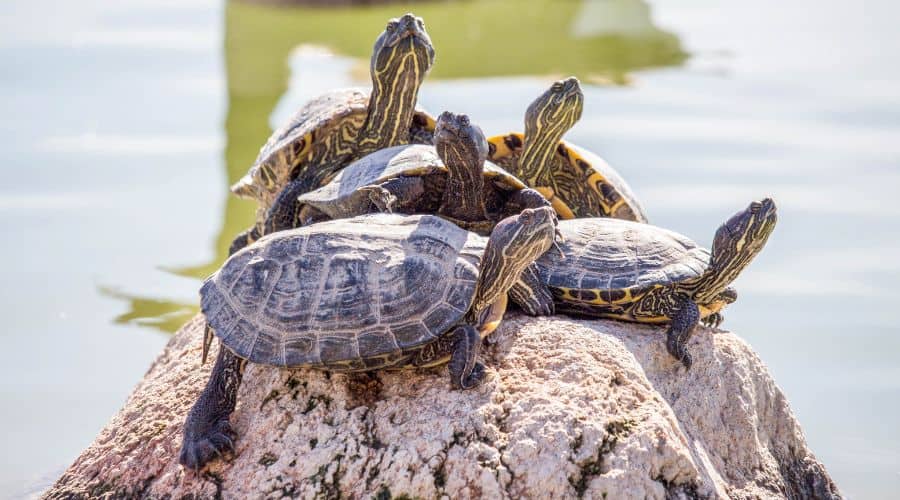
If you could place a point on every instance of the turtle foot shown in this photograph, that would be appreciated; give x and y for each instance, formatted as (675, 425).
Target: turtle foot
(474, 379)
(679, 352)
(713, 320)
(204, 442)
(383, 199)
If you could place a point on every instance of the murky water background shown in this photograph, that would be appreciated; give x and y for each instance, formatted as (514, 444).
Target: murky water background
(123, 123)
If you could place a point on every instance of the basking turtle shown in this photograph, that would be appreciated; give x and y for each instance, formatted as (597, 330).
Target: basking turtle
(372, 292)
(638, 272)
(577, 182)
(450, 179)
(342, 125)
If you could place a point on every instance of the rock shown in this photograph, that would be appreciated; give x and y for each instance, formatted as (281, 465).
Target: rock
(570, 408)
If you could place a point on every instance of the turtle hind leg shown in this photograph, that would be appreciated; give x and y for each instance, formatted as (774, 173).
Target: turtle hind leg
(207, 431)
(713, 320)
(684, 320)
(465, 370)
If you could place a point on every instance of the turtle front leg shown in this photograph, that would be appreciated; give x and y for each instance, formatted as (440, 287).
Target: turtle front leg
(207, 432)
(522, 199)
(243, 239)
(285, 211)
(684, 320)
(531, 294)
(400, 192)
(465, 370)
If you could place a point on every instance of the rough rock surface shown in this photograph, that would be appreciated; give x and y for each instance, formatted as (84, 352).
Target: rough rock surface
(570, 408)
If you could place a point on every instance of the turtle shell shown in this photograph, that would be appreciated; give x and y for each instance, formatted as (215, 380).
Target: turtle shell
(390, 163)
(618, 259)
(343, 293)
(586, 186)
(324, 129)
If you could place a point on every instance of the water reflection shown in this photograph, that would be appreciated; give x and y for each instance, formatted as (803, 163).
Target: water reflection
(160, 314)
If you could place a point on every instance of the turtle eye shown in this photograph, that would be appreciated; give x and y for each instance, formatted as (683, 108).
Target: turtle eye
(464, 120)
(526, 217)
(391, 26)
(557, 87)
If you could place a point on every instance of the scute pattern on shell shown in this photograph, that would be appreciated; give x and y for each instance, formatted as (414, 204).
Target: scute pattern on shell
(332, 105)
(321, 114)
(579, 176)
(390, 163)
(612, 178)
(613, 254)
(344, 290)
(333, 119)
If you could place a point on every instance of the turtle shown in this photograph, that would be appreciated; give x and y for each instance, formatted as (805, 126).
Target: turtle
(577, 182)
(378, 291)
(643, 273)
(342, 125)
(450, 179)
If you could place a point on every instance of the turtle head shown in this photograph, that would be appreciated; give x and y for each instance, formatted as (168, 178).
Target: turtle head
(549, 117)
(458, 141)
(736, 243)
(402, 56)
(515, 243)
(462, 148)
(555, 111)
(526, 236)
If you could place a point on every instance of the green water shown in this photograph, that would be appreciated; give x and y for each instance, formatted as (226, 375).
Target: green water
(123, 124)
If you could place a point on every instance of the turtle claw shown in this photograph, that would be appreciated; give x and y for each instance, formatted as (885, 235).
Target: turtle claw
(475, 378)
(203, 443)
(713, 320)
(383, 199)
(679, 352)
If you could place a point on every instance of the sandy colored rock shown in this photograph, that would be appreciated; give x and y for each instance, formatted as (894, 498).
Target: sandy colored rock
(570, 408)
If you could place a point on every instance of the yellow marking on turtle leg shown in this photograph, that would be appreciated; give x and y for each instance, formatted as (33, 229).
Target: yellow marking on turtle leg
(706, 310)
(652, 319)
(492, 318)
(436, 362)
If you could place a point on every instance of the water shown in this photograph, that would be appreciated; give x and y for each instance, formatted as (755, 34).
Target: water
(123, 123)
